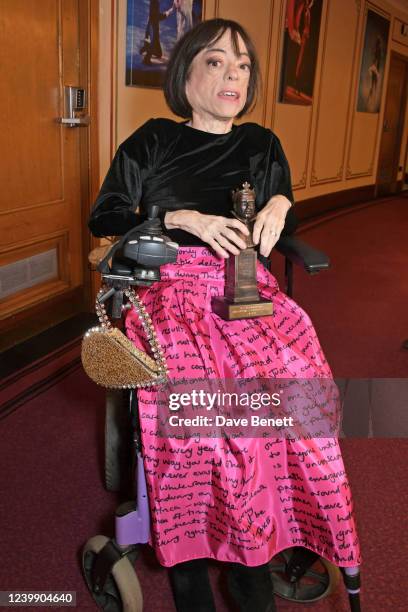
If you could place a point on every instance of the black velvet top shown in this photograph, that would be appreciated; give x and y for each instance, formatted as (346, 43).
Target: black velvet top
(179, 167)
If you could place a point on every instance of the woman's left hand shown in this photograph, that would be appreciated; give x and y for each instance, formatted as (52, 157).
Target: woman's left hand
(269, 223)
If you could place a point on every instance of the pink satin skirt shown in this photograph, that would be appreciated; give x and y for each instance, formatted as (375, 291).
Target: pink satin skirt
(244, 499)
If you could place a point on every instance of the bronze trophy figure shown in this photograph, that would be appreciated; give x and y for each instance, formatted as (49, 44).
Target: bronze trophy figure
(241, 299)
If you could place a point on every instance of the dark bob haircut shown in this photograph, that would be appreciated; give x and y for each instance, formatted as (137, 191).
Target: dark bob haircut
(185, 50)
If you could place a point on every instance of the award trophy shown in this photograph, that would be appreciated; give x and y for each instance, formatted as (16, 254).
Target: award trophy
(241, 299)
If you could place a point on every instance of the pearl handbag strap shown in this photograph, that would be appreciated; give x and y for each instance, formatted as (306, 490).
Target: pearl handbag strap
(147, 324)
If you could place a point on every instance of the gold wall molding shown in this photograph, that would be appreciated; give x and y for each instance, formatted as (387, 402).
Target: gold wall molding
(279, 49)
(396, 36)
(339, 175)
(314, 179)
(301, 184)
(350, 173)
(314, 115)
(267, 65)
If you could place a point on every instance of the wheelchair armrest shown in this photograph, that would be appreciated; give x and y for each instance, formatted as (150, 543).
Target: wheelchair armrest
(300, 253)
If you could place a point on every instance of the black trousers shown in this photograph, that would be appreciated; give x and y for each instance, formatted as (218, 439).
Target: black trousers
(250, 587)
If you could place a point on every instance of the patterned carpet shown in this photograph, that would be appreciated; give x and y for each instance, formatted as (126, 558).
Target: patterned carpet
(53, 500)
(52, 441)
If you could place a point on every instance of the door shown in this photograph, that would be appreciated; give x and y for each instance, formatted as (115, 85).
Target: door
(392, 126)
(42, 191)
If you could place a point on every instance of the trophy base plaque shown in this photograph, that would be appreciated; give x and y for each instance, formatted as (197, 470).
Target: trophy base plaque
(230, 311)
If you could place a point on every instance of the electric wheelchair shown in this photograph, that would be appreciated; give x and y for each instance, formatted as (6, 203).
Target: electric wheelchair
(299, 575)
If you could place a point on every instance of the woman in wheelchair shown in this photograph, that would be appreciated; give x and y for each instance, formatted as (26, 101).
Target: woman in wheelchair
(238, 500)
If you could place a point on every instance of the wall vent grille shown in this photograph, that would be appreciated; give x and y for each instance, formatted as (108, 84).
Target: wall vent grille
(28, 272)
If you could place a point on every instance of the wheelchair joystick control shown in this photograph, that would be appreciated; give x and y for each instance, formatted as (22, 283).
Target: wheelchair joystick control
(136, 259)
(149, 248)
(140, 252)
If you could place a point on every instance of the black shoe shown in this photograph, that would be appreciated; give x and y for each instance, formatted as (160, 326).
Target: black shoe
(191, 586)
(251, 587)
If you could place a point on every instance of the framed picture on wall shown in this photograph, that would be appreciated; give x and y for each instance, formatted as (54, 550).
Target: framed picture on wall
(300, 47)
(373, 63)
(152, 29)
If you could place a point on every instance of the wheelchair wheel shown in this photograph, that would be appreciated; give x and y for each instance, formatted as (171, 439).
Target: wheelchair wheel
(122, 591)
(318, 581)
(118, 441)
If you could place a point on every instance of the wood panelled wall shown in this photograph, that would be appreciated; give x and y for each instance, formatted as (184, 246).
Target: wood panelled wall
(330, 146)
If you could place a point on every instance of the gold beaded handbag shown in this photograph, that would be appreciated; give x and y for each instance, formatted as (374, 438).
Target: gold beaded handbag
(111, 360)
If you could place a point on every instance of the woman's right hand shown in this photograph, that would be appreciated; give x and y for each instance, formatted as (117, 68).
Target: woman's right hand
(218, 232)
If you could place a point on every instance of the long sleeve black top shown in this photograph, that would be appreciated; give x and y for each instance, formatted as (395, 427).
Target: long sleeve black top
(179, 167)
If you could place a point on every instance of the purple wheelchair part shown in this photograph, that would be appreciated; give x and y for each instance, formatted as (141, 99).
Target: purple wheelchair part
(134, 527)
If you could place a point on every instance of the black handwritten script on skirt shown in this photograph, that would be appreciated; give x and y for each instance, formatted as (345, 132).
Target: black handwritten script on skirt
(225, 489)
(224, 493)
